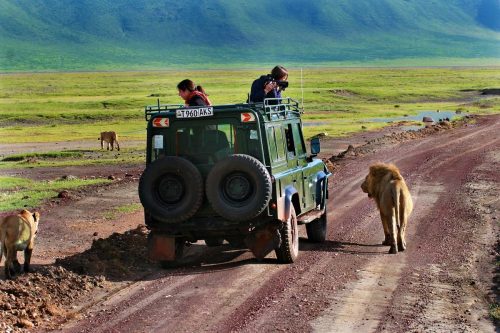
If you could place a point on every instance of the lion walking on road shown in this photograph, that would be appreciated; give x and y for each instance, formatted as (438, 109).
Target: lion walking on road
(17, 233)
(387, 187)
(110, 138)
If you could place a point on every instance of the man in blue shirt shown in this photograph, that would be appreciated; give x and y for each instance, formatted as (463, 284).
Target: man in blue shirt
(269, 86)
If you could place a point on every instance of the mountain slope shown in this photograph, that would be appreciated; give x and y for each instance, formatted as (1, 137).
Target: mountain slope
(87, 34)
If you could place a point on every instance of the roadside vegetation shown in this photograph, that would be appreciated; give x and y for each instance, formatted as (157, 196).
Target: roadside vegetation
(91, 157)
(15, 190)
(50, 107)
(125, 209)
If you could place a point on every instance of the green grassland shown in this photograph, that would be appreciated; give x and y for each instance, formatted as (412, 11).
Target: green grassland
(45, 107)
(14, 190)
(58, 107)
(80, 157)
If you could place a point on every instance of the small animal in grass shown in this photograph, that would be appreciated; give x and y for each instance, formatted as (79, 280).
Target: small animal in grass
(110, 138)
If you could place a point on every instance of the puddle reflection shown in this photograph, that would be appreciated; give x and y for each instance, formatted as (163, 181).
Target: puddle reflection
(435, 115)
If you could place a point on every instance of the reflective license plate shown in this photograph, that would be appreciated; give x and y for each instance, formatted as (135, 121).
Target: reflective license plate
(194, 113)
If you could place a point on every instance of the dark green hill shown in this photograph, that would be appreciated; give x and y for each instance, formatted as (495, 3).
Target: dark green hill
(100, 34)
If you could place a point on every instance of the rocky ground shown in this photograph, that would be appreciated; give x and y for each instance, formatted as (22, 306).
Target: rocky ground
(91, 274)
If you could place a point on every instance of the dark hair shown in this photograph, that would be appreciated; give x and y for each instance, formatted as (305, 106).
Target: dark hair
(279, 72)
(189, 85)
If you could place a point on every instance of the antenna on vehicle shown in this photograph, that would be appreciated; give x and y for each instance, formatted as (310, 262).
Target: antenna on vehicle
(302, 88)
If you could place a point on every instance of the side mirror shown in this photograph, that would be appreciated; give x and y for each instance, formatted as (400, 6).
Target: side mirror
(315, 146)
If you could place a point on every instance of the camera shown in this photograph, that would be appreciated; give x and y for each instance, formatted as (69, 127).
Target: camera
(281, 84)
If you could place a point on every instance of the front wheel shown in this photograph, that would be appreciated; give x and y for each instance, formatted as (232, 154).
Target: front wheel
(289, 248)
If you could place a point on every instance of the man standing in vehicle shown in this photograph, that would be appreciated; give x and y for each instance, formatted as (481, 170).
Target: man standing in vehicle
(269, 86)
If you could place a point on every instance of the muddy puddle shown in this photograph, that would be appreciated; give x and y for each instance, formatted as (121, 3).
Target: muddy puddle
(436, 116)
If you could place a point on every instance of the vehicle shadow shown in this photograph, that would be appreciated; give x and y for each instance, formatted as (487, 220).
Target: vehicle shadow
(124, 257)
(343, 247)
(201, 259)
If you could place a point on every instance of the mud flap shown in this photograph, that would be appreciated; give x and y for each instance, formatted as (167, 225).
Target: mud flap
(264, 240)
(161, 247)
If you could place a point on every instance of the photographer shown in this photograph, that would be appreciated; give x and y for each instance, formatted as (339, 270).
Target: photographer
(269, 86)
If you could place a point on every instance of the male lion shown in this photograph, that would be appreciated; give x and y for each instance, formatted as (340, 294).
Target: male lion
(111, 138)
(17, 233)
(385, 184)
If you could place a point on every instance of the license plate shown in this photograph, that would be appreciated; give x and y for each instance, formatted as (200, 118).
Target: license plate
(194, 113)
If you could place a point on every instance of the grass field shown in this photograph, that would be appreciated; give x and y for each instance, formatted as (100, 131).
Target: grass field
(15, 190)
(56, 107)
(44, 107)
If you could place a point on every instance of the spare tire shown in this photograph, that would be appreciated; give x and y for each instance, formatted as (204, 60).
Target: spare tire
(239, 187)
(171, 189)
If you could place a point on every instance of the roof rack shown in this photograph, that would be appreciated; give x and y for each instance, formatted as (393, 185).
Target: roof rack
(273, 108)
(150, 110)
(281, 108)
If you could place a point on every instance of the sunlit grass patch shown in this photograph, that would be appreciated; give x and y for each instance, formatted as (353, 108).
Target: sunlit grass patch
(95, 157)
(125, 209)
(495, 312)
(18, 192)
(48, 155)
(126, 130)
(48, 107)
(340, 128)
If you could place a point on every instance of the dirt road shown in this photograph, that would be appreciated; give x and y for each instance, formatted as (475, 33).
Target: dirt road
(443, 282)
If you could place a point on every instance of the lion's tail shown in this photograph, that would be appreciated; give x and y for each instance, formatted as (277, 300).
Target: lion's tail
(396, 197)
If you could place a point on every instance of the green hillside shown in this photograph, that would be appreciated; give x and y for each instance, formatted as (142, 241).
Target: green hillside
(128, 34)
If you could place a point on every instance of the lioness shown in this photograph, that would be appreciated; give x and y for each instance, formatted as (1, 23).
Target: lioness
(17, 233)
(385, 184)
(111, 138)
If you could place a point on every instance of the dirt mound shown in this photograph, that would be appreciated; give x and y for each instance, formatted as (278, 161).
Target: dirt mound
(118, 257)
(41, 299)
(38, 299)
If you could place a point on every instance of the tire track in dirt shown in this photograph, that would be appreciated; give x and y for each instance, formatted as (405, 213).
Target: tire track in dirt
(420, 176)
(342, 285)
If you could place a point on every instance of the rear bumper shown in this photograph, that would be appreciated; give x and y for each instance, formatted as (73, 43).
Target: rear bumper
(203, 227)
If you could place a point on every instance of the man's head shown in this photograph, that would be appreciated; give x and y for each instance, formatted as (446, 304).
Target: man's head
(279, 73)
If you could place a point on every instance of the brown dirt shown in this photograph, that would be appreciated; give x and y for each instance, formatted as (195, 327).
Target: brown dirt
(444, 282)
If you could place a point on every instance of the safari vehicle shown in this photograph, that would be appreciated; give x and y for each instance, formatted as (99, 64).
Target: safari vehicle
(238, 173)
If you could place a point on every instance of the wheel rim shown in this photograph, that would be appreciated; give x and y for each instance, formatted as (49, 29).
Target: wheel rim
(170, 189)
(237, 188)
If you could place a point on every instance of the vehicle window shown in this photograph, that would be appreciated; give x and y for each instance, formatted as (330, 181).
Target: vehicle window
(203, 144)
(297, 138)
(272, 144)
(280, 145)
(290, 147)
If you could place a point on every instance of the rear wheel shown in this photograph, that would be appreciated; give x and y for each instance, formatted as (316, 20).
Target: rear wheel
(289, 248)
(171, 189)
(239, 187)
(214, 241)
(316, 230)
